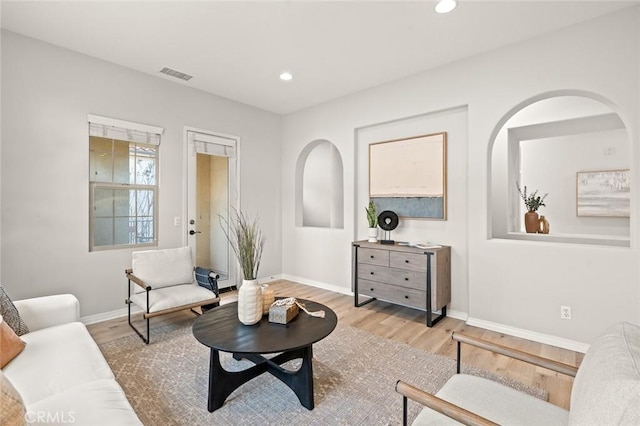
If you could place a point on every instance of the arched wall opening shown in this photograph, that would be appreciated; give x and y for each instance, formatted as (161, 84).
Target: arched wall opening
(574, 146)
(319, 186)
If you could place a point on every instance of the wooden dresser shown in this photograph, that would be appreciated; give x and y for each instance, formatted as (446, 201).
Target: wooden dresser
(408, 276)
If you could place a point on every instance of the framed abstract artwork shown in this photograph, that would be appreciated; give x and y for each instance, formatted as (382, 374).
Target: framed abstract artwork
(604, 193)
(409, 176)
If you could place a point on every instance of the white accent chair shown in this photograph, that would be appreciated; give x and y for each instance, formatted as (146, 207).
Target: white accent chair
(606, 389)
(161, 282)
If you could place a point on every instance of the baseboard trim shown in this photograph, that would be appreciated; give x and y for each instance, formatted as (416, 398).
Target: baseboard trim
(463, 316)
(547, 339)
(106, 316)
(270, 279)
(318, 284)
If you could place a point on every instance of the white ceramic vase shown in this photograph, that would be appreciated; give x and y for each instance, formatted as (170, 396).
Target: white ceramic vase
(249, 302)
(373, 235)
(268, 297)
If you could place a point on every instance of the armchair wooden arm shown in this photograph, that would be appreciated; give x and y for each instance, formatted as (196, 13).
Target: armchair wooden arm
(569, 370)
(138, 281)
(453, 411)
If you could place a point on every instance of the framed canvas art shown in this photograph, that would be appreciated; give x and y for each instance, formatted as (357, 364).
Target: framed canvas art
(409, 176)
(604, 193)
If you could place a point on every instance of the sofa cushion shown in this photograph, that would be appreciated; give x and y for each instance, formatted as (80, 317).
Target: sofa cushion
(494, 401)
(171, 297)
(162, 268)
(10, 314)
(606, 389)
(99, 402)
(54, 360)
(11, 405)
(10, 344)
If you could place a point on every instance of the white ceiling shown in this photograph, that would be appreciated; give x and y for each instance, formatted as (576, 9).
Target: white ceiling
(237, 49)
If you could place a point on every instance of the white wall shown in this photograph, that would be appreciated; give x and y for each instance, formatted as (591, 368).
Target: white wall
(516, 286)
(47, 93)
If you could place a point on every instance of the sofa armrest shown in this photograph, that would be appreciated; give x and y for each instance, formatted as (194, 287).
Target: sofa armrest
(450, 410)
(47, 311)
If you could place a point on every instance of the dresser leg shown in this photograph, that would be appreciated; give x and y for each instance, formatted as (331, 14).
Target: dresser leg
(433, 321)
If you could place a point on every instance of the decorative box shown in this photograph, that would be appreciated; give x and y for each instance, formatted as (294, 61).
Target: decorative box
(283, 314)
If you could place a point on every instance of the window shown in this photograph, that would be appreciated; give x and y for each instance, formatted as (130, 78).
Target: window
(123, 184)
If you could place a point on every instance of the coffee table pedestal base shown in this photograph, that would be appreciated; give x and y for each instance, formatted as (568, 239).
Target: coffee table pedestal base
(222, 382)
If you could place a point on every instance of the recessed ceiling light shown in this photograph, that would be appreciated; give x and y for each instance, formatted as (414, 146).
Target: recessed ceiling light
(286, 76)
(445, 6)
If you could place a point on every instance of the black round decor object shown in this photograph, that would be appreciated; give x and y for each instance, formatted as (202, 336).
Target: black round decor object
(388, 220)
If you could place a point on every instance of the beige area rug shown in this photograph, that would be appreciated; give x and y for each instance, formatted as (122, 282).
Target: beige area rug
(354, 378)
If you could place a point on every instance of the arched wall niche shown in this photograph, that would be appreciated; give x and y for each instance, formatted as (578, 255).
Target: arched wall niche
(543, 143)
(319, 186)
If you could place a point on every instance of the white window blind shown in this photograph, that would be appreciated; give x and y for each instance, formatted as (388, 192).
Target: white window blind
(214, 145)
(112, 128)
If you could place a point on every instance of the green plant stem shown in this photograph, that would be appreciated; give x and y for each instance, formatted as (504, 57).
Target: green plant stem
(247, 242)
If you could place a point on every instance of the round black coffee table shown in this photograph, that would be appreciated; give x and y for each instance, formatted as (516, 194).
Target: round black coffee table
(221, 330)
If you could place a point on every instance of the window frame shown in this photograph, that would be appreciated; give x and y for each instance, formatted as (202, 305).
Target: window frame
(112, 185)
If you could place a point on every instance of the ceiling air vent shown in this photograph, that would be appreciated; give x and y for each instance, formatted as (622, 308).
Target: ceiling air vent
(176, 74)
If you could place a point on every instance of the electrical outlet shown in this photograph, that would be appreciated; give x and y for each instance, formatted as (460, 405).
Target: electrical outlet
(565, 312)
(176, 221)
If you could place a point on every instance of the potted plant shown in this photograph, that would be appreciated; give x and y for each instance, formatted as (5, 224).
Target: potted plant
(532, 202)
(247, 242)
(372, 218)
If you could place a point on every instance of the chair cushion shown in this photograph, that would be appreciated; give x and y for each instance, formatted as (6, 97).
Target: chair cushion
(172, 297)
(162, 268)
(606, 389)
(494, 401)
(55, 359)
(10, 344)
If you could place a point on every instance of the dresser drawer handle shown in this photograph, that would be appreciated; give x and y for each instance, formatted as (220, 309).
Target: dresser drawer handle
(406, 297)
(371, 272)
(406, 279)
(406, 261)
(372, 256)
(371, 289)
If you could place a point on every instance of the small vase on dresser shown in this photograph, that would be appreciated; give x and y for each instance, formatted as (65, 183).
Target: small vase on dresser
(249, 302)
(373, 235)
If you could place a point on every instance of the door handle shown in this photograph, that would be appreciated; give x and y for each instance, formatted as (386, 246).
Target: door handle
(192, 232)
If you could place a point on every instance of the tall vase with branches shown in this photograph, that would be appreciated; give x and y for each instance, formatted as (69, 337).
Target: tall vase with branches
(247, 242)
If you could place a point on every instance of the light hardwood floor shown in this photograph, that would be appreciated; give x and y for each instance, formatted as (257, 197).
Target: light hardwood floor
(403, 325)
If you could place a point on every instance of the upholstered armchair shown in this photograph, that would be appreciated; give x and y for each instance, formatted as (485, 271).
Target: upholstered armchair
(606, 388)
(161, 282)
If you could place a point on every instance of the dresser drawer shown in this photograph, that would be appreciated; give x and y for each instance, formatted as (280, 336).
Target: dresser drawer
(373, 256)
(411, 261)
(394, 294)
(401, 277)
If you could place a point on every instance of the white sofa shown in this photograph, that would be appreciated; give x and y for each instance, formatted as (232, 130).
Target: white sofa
(61, 374)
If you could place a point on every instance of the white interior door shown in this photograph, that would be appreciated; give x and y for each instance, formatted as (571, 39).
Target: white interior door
(212, 191)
